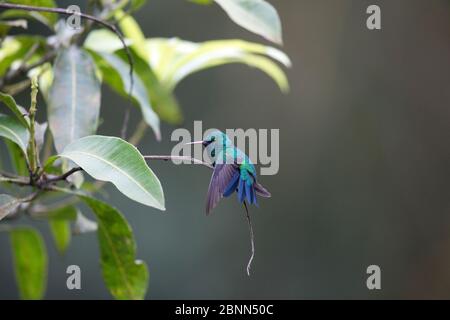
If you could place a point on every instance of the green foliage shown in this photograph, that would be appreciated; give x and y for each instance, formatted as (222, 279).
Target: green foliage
(74, 97)
(115, 160)
(48, 158)
(12, 129)
(30, 262)
(126, 277)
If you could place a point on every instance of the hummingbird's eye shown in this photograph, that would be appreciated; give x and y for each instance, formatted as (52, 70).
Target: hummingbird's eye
(213, 139)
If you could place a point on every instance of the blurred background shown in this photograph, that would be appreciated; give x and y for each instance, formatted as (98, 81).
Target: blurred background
(364, 163)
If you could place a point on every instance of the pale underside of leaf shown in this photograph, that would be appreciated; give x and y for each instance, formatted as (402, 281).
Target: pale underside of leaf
(74, 97)
(114, 160)
(257, 16)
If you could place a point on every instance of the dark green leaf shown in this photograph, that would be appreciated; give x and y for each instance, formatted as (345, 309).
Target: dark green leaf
(74, 97)
(17, 158)
(30, 262)
(12, 129)
(61, 233)
(125, 277)
(12, 105)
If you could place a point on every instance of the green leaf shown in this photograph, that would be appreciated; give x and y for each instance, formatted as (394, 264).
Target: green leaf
(257, 16)
(204, 2)
(17, 158)
(117, 75)
(175, 59)
(132, 31)
(74, 97)
(8, 205)
(125, 277)
(14, 49)
(103, 40)
(12, 105)
(30, 262)
(45, 17)
(61, 234)
(59, 222)
(13, 130)
(115, 160)
(161, 96)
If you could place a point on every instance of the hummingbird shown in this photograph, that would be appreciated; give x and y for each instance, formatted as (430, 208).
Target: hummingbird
(232, 172)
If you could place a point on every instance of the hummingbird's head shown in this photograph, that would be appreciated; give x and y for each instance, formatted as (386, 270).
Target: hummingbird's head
(214, 142)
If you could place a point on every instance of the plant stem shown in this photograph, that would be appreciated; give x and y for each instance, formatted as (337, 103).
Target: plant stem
(33, 153)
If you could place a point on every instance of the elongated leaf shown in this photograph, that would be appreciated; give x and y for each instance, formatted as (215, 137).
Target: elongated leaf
(115, 160)
(13, 130)
(74, 97)
(12, 105)
(103, 40)
(17, 158)
(8, 205)
(132, 31)
(30, 262)
(117, 75)
(125, 277)
(175, 59)
(47, 18)
(161, 96)
(61, 234)
(59, 222)
(257, 16)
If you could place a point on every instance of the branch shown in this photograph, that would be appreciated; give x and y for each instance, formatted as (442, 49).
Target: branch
(82, 15)
(63, 177)
(183, 158)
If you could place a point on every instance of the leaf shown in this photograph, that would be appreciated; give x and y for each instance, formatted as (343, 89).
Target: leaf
(17, 158)
(115, 160)
(59, 222)
(12, 105)
(45, 17)
(30, 262)
(257, 16)
(161, 96)
(14, 49)
(13, 130)
(132, 31)
(125, 277)
(118, 77)
(175, 59)
(8, 205)
(74, 97)
(61, 234)
(103, 40)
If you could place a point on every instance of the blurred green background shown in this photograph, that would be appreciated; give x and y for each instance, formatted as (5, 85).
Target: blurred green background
(364, 163)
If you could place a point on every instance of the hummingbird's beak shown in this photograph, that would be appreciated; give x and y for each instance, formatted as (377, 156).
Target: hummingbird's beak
(196, 142)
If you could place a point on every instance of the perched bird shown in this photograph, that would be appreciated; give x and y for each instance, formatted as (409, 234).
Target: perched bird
(233, 172)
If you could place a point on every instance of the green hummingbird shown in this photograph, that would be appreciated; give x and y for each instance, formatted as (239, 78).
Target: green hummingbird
(233, 172)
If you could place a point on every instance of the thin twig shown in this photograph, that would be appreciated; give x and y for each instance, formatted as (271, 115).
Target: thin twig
(182, 158)
(252, 238)
(82, 15)
(64, 176)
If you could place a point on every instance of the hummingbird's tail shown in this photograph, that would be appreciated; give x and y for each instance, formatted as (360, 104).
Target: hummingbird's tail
(261, 191)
